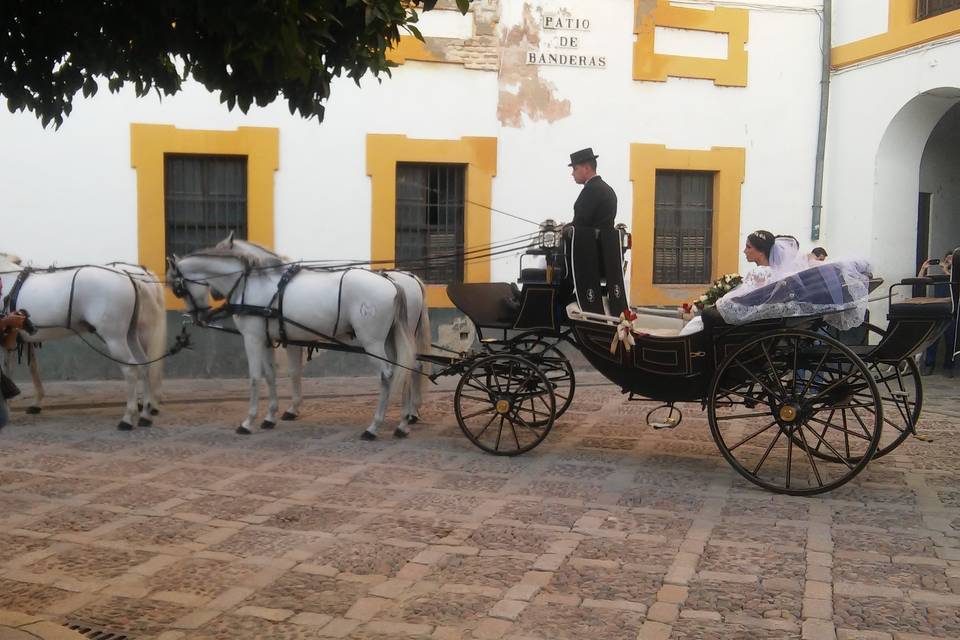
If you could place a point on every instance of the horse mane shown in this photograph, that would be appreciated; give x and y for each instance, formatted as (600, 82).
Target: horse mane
(255, 260)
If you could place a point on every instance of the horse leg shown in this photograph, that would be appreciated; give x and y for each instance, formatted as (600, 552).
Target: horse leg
(143, 373)
(38, 392)
(295, 367)
(270, 374)
(253, 342)
(386, 374)
(119, 350)
(413, 396)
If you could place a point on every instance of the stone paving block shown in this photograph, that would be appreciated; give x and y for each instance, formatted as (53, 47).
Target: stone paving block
(522, 592)
(339, 628)
(197, 618)
(366, 608)
(276, 615)
(508, 609)
(865, 590)
(397, 628)
(538, 578)
(652, 630)
(856, 634)
(694, 614)
(230, 598)
(818, 630)
(819, 609)
(663, 612)
(46, 630)
(616, 605)
(818, 590)
(391, 589)
(492, 629)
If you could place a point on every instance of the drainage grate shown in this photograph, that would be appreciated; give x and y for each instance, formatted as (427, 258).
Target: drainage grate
(96, 633)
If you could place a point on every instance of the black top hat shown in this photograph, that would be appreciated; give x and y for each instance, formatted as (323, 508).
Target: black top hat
(584, 155)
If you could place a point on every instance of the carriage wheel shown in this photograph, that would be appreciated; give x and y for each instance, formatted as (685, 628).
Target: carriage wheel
(901, 392)
(782, 396)
(555, 365)
(505, 404)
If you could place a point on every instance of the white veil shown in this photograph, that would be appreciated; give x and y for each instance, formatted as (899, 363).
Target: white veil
(836, 290)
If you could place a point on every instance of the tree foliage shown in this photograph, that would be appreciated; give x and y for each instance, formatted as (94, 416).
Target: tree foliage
(251, 51)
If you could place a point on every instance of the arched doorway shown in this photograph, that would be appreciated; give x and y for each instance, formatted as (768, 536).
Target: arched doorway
(918, 154)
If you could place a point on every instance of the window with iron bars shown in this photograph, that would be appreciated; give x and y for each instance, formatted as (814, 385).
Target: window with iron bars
(205, 198)
(683, 227)
(930, 8)
(430, 220)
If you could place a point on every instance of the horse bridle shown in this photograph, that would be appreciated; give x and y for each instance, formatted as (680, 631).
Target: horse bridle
(178, 285)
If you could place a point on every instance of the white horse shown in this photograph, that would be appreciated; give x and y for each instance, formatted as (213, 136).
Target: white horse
(121, 304)
(418, 320)
(357, 307)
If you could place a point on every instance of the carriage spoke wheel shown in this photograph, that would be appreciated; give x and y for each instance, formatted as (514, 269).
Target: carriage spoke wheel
(505, 404)
(784, 401)
(901, 394)
(555, 365)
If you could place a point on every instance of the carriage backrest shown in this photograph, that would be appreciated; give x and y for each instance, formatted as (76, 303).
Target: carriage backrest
(595, 255)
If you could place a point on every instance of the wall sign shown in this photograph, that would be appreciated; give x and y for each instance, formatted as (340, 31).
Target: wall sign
(561, 48)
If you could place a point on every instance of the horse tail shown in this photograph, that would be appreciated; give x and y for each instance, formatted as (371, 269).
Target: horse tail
(423, 335)
(401, 342)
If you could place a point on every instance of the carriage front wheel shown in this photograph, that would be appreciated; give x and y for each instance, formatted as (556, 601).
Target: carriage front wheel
(505, 404)
(785, 396)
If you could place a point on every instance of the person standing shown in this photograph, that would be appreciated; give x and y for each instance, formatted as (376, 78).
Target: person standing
(596, 206)
(940, 290)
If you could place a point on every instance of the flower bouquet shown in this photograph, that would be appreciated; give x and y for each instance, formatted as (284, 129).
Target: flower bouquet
(723, 286)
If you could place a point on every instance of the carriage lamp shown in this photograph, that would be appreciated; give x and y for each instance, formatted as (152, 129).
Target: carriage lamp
(626, 238)
(549, 235)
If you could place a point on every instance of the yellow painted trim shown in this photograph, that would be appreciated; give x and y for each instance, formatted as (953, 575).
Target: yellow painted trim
(903, 32)
(480, 156)
(412, 48)
(645, 159)
(656, 67)
(149, 143)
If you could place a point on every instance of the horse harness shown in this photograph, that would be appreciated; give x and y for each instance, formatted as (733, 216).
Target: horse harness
(271, 312)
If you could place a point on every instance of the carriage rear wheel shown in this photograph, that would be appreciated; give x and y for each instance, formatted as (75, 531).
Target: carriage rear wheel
(781, 397)
(901, 392)
(505, 404)
(555, 365)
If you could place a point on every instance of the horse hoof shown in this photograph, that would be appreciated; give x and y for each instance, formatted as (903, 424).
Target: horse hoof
(366, 435)
(124, 426)
(412, 419)
(154, 411)
(144, 422)
(266, 424)
(34, 410)
(400, 433)
(243, 431)
(287, 415)
(139, 406)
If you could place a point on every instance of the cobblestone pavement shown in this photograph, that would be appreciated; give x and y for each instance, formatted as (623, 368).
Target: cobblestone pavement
(608, 530)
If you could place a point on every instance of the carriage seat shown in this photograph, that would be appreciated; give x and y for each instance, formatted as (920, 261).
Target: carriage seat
(923, 307)
(533, 275)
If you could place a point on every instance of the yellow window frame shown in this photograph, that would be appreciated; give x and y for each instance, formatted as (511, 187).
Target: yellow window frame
(903, 31)
(149, 143)
(479, 154)
(728, 165)
(656, 67)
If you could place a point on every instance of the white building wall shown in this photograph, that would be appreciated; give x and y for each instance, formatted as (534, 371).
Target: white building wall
(70, 195)
(859, 19)
(881, 117)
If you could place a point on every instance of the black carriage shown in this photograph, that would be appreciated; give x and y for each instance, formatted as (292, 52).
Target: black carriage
(792, 408)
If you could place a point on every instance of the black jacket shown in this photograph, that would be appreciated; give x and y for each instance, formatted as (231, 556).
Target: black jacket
(596, 206)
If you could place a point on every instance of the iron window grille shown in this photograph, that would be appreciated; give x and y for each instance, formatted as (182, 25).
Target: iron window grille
(930, 8)
(683, 227)
(430, 220)
(205, 198)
